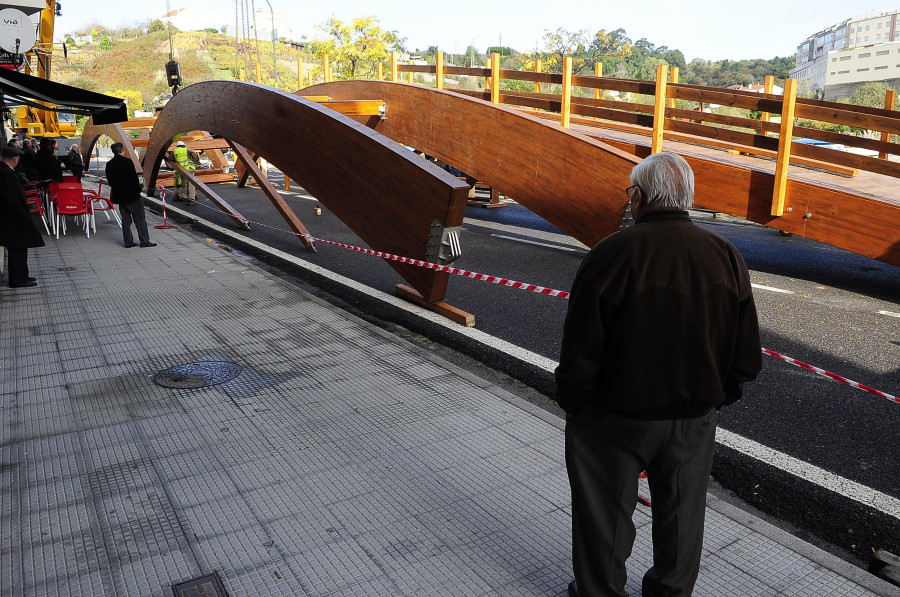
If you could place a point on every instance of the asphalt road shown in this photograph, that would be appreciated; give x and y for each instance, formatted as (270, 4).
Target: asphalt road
(832, 309)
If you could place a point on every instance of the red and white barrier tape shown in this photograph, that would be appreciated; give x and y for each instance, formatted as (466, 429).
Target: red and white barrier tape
(561, 294)
(829, 375)
(451, 270)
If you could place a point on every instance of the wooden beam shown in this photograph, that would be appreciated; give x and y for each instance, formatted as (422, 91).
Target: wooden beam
(659, 110)
(890, 98)
(784, 147)
(769, 87)
(395, 69)
(439, 70)
(379, 72)
(441, 308)
(138, 123)
(673, 78)
(566, 111)
(272, 194)
(231, 212)
(355, 107)
(495, 78)
(598, 72)
(537, 69)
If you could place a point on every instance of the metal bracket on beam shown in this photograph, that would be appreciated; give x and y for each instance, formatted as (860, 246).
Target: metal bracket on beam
(443, 244)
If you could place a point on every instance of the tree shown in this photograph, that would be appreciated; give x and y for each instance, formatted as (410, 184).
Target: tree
(353, 49)
(606, 46)
(869, 94)
(561, 43)
(133, 100)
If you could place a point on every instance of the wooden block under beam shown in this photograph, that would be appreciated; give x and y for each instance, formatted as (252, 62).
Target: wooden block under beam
(443, 309)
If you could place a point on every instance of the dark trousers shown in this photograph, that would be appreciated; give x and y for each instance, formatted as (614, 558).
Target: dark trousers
(134, 211)
(604, 456)
(18, 265)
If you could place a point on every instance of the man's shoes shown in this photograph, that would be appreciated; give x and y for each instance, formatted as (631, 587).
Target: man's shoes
(145, 245)
(573, 589)
(191, 202)
(25, 284)
(129, 245)
(177, 198)
(30, 279)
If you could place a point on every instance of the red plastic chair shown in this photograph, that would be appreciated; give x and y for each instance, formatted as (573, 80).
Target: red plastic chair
(101, 203)
(69, 199)
(34, 198)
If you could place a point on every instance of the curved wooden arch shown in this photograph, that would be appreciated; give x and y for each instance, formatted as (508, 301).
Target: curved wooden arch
(386, 194)
(577, 186)
(570, 180)
(92, 132)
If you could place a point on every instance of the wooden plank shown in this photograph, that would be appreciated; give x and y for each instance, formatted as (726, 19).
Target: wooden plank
(673, 79)
(475, 71)
(537, 70)
(535, 77)
(890, 98)
(495, 78)
(566, 111)
(277, 200)
(138, 123)
(598, 72)
(748, 123)
(439, 70)
(441, 308)
(782, 161)
(876, 119)
(659, 110)
(620, 85)
(354, 107)
(707, 95)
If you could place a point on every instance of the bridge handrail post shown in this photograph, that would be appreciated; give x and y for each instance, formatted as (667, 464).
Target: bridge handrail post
(890, 98)
(439, 70)
(659, 110)
(409, 75)
(537, 69)
(379, 70)
(299, 72)
(673, 78)
(784, 146)
(565, 114)
(394, 67)
(768, 88)
(598, 72)
(495, 78)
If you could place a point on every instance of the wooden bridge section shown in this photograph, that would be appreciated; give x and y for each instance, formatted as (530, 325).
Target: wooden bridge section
(746, 167)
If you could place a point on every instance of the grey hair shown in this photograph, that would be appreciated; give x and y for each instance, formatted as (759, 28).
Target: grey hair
(666, 180)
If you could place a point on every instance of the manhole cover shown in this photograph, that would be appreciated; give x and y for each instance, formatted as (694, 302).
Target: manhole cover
(206, 586)
(197, 375)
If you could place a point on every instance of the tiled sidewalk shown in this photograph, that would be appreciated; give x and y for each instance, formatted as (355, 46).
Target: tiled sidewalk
(341, 461)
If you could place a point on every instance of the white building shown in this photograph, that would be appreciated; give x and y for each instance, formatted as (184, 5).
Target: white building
(829, 63)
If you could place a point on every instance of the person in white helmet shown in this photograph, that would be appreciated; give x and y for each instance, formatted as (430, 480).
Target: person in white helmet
(187, 159)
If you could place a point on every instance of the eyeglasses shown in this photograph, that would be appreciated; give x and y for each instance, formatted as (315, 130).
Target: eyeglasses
(629, 189)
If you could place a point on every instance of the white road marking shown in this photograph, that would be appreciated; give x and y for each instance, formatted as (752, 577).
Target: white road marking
(771, 289)
(889, 313)
(825, 479)
(562, 239)
(858, 492)
(534, 242)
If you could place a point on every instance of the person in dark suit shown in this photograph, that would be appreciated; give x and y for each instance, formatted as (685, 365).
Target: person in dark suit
(48, 166)
(126, 192)
(76, 164)
(18, 232)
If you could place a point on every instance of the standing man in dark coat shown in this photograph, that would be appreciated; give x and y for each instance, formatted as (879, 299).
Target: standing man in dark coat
(126, 191)
(660, 333)
(17, 230)
(48, 166)
(76, 164)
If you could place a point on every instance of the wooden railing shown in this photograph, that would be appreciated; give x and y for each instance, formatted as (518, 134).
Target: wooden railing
(578, 98)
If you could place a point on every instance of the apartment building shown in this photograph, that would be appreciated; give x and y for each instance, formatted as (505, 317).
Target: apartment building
(836, 60)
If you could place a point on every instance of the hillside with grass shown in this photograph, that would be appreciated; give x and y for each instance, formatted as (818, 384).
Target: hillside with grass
(131, 64)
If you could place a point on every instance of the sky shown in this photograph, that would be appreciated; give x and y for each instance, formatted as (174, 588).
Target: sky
(699, 28)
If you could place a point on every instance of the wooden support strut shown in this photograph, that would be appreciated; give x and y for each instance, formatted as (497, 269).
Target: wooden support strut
(277, 200)
(890, 98)
(659, 110)
(231, 212)
(784, 147)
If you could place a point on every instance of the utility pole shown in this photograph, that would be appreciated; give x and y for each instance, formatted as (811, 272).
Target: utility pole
(274, 58)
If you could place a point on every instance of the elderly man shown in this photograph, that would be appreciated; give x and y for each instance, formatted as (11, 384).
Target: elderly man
(17, 230)
(661, 332)
(126, 191)
(74, 161)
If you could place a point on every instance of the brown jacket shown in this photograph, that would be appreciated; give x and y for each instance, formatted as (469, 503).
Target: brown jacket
(661, 323)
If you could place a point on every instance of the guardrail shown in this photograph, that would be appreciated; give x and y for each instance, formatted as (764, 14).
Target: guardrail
(676, 111)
